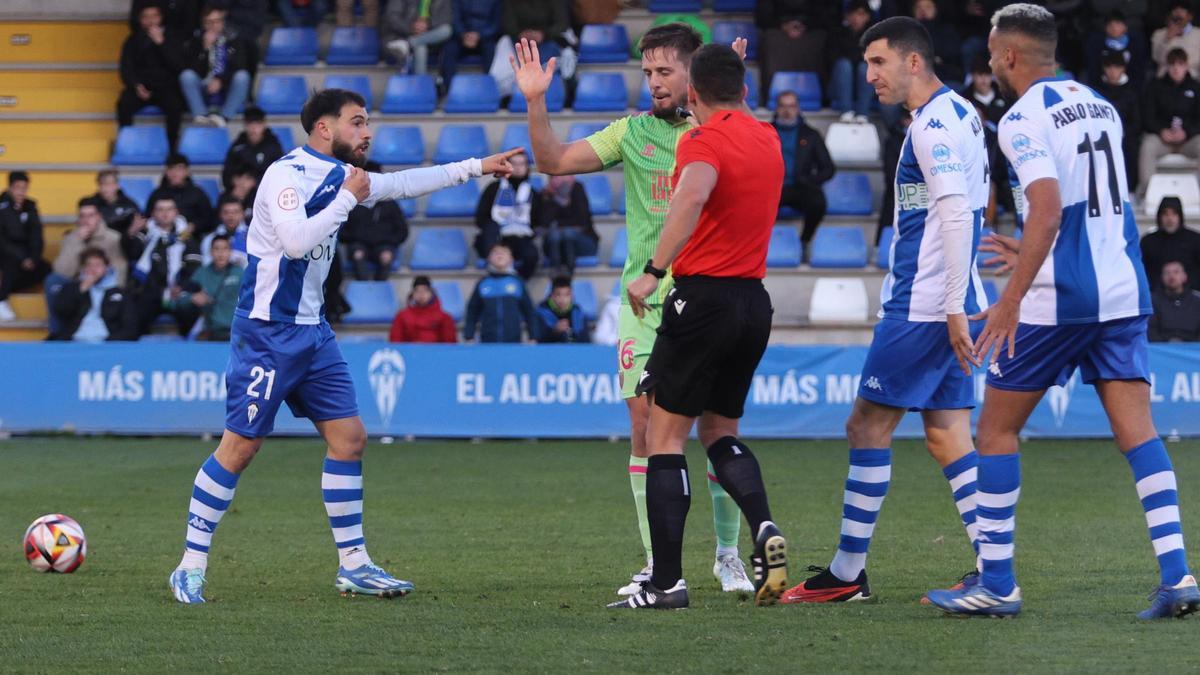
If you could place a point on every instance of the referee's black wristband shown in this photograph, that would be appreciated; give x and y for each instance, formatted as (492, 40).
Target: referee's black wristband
(654, 271)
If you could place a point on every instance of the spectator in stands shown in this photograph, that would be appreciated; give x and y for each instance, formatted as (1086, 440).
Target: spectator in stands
(1116, 86)
(336, 305)
(566, 222)
(542, 21)
(793, 38)
(298, 13)
(806, 164)
(506, 212)
(1117, 40)
(93, 307)
(149, 72)
(163, 255)
(215, 61)
(1178, 33)
(499, 304)
(256, 148)
(1176, 307)
(849, 92)
(90, 231)
(422, 319)
(892, 144)
(1171, 240)
(411, 27)
(373, 235)
(193, 203)
(947, 45)
(584, 12)
(21, 243)
(559, 318)
(476, 26)
(117, 209)
(247, 17)
(1172, 117)
(984, 94)
(232, 225)
(179, 17)
(212, 291)
(345, 12)
(244, 188)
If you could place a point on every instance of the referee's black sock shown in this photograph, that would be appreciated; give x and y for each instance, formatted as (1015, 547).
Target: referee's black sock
(668, 498)
(737, 471)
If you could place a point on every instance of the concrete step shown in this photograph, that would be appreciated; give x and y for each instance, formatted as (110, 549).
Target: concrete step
(35, 101)
(55, 129)
(23, 331)
(20, 152)
(58, 41)
(12, 81)
(57, 192)
(29, 306)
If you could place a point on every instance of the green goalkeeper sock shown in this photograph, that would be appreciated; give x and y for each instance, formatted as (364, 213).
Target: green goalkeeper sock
(727, 518)
(637, 480)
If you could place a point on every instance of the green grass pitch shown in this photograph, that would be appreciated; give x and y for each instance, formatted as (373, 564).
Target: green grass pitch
(515, 547)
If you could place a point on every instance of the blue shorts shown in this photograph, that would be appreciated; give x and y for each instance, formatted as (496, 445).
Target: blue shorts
(1049, 355)
(911, 365)
(271, 362)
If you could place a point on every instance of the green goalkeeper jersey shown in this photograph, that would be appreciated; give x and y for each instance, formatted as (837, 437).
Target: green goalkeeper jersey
(646, 144)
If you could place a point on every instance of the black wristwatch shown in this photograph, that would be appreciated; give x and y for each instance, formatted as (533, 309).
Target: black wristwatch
(654, 271)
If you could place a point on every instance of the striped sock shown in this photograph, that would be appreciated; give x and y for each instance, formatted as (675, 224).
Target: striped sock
(211, 493)
(727, 518)
(962, 474)
(1156, 489)
(866, 486)
(996, 506)
(637, 481)
(341, 484)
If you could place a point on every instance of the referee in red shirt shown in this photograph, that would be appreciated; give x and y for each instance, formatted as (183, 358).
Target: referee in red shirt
(716, 323)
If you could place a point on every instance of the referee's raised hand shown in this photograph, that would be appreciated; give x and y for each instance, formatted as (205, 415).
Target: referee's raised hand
(638, 290)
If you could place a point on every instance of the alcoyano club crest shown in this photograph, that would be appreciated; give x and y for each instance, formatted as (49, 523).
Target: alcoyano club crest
(386, 371)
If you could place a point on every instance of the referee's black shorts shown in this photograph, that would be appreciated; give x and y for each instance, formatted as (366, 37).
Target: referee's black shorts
(713, 334)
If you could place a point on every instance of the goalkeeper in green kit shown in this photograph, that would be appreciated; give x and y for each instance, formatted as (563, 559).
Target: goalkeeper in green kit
(645, 143)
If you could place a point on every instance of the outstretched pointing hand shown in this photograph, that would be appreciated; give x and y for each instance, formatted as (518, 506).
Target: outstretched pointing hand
(498, 165)
(532, 79)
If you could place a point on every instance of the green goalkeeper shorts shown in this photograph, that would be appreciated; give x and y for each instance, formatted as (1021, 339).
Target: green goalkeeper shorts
(635, 340)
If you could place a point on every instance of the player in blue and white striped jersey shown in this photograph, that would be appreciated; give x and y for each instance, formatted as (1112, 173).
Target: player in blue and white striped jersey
(1077, 299)
(920, 357)
(283, 350)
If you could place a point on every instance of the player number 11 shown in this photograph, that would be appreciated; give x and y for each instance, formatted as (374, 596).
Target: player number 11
(1102, 144)
(258, 373)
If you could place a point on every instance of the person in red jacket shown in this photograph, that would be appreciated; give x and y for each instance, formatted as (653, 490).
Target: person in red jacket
(423, 319)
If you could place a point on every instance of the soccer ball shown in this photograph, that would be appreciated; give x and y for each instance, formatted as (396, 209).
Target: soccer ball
(55, 543)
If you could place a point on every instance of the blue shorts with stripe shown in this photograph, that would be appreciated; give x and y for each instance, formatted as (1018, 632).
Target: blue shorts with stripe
(911, 365)
(271, 362)
(1049, 355)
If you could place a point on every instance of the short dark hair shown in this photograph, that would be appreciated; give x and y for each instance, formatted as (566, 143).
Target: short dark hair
(1177, 55)
(327, 102)
(87, 201)
(718, 74)
(102, 173)
(904, 34)
(163, 198)
(176, 158)
(678, 36)
(92, 252)
(1032, 21)
(253, 113)
(219, 237)
(1179, 4)
(560, 282)
(980, 65)
(209, 8)
(16, 176)
(499, 244)
(858, 6)
(227, 199)
(786, 92)
(1111, 58)
(1115, 15)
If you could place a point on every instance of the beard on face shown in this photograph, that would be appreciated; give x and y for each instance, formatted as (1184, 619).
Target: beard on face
(345, 152)
(669, 113)
(1006, 89)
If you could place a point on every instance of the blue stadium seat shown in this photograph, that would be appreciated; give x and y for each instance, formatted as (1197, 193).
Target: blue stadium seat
(204, 145)
(211, 187)
(353, 46)
(732, 6)
(472, 93)
(286, 140)
(599, 193)
(439, 248)
(517, 135)
(806, 86)
(408, 206)
(138, 189)
(453, 202)
(581, 130)
(142, 146)
(451, 297)
(556, 97)
(370, 302)
(410, 94)
(149, 111)
(619, 205)
(281, 94)
(601, 92)
(292, 47)
(724, 33)
(784, 250)
(620, 249)
(883, 253)
(849, 194)
(585, 297)
(587, 261)
(398, 145)
(457, 142)
(360, 84)
(661, 6)
(604, 43)
(841, 247)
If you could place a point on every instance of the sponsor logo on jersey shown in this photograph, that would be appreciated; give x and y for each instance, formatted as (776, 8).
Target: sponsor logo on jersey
(934, 123)
(648, 151)
(327, 188)
(941, 153)
(912, 196)
(251, 413)
(298, 167)
(1014, 117)
(679, 305)
(288, 200)
(1024, 146)
(386, 372)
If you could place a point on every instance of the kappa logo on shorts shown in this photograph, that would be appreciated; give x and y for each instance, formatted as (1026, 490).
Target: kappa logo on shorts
(679, 305)
(251, 413)
(994, 369)
(873, 383)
